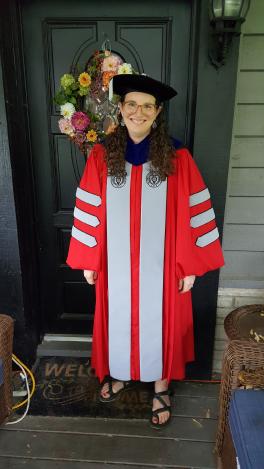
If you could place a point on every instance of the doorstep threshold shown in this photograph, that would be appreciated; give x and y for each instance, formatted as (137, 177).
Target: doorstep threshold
(67, 338)
(65, 345)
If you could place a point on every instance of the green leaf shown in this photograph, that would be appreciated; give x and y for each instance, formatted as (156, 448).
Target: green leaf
(60, 98)
(72, 100)
(68, 91)
(75, 86)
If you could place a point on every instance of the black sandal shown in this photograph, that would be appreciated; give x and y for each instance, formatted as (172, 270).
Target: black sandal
(113, 395)
(165, 408)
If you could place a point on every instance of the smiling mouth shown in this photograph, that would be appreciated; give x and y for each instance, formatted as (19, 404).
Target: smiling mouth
(137, 121)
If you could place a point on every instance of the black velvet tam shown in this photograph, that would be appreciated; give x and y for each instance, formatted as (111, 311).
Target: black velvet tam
(126, 83)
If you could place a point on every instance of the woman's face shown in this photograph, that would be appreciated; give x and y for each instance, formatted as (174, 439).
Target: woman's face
(139, 111)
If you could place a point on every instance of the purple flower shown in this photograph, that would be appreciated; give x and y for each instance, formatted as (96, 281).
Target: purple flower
(80, 120)
(79, 137)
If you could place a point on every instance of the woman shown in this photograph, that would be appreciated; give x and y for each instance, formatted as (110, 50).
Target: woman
(143, 229)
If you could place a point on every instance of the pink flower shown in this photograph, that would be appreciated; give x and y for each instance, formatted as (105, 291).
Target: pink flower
(66, 127)
(80, 120)
(110, 64)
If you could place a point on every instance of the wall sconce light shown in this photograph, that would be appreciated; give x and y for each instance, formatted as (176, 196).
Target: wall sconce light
(226, 17)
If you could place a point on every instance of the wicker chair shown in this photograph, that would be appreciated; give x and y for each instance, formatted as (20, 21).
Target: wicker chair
(6, 345)
(242, 353)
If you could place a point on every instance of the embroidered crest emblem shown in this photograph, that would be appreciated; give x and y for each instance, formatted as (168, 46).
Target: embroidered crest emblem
(118, 181)
(153, 179)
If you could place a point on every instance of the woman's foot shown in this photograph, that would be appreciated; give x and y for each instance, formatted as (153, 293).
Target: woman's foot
(116, 386)
(111, 389)
(161, 401)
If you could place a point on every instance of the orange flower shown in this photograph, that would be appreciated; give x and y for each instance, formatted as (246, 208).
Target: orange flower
(107, 77)
(85, 79)
(91, 136)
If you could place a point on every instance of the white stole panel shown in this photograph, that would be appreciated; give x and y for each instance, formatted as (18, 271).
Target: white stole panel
(152, 236)
(119, 277)
(153, 217)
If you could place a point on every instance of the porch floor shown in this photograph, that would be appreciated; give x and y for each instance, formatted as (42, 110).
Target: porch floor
(83, 442)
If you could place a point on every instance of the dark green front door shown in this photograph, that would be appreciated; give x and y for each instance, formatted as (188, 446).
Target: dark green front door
(155, 38)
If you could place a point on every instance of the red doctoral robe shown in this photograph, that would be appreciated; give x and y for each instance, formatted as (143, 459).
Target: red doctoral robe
(191, 247)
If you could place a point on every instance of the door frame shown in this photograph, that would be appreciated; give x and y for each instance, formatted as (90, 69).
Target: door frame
(16, 102)
(12, 53)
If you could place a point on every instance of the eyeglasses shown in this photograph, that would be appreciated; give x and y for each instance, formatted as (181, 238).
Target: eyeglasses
(131, 107)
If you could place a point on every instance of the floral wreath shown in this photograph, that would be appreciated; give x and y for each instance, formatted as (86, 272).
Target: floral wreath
(86, 101)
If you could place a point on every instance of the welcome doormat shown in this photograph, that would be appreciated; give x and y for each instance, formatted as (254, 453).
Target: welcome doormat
(68, 387)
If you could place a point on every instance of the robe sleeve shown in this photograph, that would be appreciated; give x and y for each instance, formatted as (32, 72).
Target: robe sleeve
(204, 252)
(85, 243)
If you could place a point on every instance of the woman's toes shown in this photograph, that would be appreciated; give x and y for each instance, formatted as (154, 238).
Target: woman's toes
(104, 390)
(116, 386)
(161, 418)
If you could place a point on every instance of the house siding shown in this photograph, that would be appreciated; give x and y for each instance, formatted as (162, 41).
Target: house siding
(244, 214)
(242, 278)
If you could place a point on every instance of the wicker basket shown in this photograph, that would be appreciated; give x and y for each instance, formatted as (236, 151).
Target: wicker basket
(6, 346)
(239, 323)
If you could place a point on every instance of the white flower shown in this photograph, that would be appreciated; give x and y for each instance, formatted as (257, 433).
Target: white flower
(124, 69)
(67, 110)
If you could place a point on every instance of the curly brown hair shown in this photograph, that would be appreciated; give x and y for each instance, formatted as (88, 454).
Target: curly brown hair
(161, 150)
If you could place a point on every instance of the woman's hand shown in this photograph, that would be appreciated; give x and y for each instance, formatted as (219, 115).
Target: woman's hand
(90, 276)
(186, 283)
